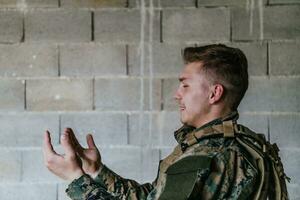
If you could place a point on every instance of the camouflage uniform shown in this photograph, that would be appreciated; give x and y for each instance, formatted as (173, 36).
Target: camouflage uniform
(229, 175)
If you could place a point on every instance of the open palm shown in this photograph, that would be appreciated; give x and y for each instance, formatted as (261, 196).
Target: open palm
(90, 157)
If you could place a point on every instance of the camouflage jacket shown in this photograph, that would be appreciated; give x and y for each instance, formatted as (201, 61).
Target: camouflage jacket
(230, 175)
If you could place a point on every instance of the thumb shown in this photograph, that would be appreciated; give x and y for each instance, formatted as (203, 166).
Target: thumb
(47, 146)
(90, 141)
(67, 145)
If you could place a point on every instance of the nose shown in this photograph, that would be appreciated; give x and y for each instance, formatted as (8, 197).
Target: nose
(177, 95)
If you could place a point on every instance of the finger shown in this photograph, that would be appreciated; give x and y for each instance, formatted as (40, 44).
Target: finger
(74, 140)
(90, 141)
(50, 156)
(67, 145)
(47, 146)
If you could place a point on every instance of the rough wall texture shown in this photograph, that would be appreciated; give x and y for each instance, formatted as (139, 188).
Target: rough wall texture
(110, 67)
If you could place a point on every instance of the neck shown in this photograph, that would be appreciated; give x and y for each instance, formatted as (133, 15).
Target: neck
(213, 114)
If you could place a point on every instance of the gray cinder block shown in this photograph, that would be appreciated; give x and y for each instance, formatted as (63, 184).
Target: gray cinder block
(28, 191)
(28, 60)
(26, 4)
(10, 164)
(107, 128)
(127, 94)
(93, 3)
(33, 161)
(59, 94)
(166, 60)
(257, 123)
(246, 22)
(283, 2)
(284, 130)
(171, 123)
(144, 129)
(293, 190)
(160, 134)
(124, 26)
(222, 2)
(92, 60)
(163, 4)
(256, 54)
(284, 58)
(272, 94)
(282, 22)
(11, 26)
(198, 25)
(259, 22)
(26, 130)
(12, 94)
(291, 160)
(132, 158)
(170, 86)
(58, 26)
(62, 195)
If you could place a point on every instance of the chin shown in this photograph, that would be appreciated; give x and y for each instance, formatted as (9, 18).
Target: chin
(184, 121)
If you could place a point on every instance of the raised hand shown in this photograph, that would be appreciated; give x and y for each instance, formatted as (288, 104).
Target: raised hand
(67, 166)
(90, 157)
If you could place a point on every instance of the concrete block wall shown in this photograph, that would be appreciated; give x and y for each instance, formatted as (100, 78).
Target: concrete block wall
(110, 68)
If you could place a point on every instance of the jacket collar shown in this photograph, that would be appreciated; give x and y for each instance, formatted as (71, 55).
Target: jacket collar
(181, 133)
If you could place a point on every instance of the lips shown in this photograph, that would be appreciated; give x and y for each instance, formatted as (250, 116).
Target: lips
(181, 107)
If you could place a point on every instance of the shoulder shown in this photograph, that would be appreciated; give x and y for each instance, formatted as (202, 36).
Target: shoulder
(225, 151)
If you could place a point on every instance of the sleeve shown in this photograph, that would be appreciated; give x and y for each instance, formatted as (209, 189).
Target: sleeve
(121, 187)
(86, 188)
(231, 176)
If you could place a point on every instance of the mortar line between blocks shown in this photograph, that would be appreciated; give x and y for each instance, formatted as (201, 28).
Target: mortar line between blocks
(25, 95)
(93, 94)
(268, 123)
(159, 153)
(23, 29)
(230, 26)
(161, 26)
(127, 127)
(58, 61)
(127, 59)
(92, 26)
(59, 128)
(21, 167)
(57, 188)
(268, 59)
(162, 95)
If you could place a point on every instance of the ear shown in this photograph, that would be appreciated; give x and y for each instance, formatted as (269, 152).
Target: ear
(217, 92)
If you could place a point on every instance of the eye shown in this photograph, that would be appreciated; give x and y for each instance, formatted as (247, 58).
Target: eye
(185, 86)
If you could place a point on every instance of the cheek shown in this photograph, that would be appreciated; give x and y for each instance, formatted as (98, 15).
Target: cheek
(199, 99)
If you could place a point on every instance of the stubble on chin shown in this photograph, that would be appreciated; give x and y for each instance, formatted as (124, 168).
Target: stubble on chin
(183, 120)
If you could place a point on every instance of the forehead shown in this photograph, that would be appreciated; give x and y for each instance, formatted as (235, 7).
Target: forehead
(190, 71)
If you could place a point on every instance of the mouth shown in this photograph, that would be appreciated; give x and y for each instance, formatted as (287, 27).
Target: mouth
(181, 108)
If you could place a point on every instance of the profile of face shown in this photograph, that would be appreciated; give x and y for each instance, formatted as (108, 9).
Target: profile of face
(193, 94)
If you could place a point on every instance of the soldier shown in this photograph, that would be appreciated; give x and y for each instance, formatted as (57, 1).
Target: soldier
(215, 158)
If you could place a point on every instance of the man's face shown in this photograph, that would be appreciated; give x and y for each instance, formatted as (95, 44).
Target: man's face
(192, 95)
